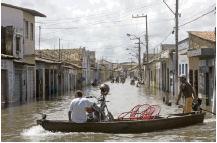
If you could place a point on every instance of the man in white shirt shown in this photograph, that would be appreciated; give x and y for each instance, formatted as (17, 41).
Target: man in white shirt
(78, 108)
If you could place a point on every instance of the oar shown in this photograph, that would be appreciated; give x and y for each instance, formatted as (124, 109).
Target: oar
(208, 111)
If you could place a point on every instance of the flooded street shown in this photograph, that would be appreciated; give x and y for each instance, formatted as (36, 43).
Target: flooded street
(19, 123)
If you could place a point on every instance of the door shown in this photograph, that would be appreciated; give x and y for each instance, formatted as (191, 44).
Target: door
(18, 86)
(191, 77)
(207, 89)
(39, 87)
(196, 81)
(4, 88)
(47, 85)
(30, 84)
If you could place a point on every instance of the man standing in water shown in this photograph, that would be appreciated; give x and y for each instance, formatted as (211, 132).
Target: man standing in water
(78, 108)
(187, 90)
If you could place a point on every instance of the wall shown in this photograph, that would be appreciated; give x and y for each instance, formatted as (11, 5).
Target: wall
(183, 58)
(14, 17)
(29, 45)
(11, 16)
(196, 42)
(8, 65)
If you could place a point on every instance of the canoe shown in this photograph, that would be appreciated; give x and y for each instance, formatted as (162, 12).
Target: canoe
(125, 126)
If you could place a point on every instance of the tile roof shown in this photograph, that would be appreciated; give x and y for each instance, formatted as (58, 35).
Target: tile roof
(207, 35)
(67, 55)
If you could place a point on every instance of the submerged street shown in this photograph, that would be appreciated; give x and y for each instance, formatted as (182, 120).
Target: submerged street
(19, 123)
(154, 62)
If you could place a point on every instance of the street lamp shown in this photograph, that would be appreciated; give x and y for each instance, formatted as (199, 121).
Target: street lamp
(139, 51)
(129, 35)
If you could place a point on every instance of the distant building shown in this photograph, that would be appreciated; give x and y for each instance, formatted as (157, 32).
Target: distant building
(183, 61)
(18, 53)
(82, 58)
(167, 67)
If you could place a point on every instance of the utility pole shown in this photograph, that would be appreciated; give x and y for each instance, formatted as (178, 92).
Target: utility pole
(39, 41)
(146, 39)
(139, 52)
(139, 57)
(176, 40)
(176, 13)
(59, 49)
(140, 72)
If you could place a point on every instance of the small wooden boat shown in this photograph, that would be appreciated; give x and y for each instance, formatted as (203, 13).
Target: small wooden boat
(125, 126)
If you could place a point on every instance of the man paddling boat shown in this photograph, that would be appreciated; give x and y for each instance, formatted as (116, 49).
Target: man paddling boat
(187, 91)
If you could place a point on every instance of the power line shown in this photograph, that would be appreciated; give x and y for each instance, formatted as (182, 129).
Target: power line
(102, 14)
(197, 13)
(115, 23)
(197, 18)
(60, 28)
(164, 39)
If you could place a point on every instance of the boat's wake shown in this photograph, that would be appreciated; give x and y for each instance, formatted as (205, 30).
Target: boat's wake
(38, 134)
(209, 120)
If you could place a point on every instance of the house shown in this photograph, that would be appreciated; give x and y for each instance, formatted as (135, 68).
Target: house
(167, 67)
(183, 61)
(151, 69)
(47, 78)
(104, 70)
(82, 60)
(201, 54)
(17, 53)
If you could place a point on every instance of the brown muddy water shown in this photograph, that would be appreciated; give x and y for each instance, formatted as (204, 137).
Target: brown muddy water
(19, 123)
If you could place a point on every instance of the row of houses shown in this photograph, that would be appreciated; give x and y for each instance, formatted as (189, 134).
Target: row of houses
(28, 74)
(196, 58)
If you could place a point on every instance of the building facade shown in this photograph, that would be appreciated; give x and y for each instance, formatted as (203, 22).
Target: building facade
(201, 55)
(17, 41)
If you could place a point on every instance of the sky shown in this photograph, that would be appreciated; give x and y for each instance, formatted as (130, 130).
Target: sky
(102, 25)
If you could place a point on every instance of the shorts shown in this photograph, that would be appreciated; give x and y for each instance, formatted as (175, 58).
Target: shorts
(188, 105)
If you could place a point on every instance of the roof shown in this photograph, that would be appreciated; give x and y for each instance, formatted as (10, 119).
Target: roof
(23, 62)
(31, 11)
(69, 55)
(167, 46)
(46, 60)
(72, 57)
(184, 40)
(4, 56)
(206, 35)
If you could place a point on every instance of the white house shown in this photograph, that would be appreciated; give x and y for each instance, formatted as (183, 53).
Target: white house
(183, 61)
(18, 53)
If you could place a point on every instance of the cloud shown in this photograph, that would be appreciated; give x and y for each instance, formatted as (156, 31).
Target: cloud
(101, 25)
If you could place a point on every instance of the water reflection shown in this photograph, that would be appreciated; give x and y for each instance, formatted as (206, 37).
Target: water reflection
(18, 123)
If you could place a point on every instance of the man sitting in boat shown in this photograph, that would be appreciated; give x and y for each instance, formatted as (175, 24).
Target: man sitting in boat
(187, 90)
(78, 108)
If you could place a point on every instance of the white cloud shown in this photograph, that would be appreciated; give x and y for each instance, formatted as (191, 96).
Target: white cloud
(102, 24)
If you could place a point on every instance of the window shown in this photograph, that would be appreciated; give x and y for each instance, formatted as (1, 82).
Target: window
(183, 68)
(26, 30)
(179, 69)
(151, 76)
(191, 77)
(3, 37)
(186, 70)
(32, 34)
(17, 44)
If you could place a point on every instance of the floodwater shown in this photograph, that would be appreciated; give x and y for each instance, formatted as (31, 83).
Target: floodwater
(19, 123)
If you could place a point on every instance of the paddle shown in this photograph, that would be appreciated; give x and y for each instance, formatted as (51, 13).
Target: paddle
(208, 111)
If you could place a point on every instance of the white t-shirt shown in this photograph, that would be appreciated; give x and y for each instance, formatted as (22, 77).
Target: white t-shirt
(77, 108)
